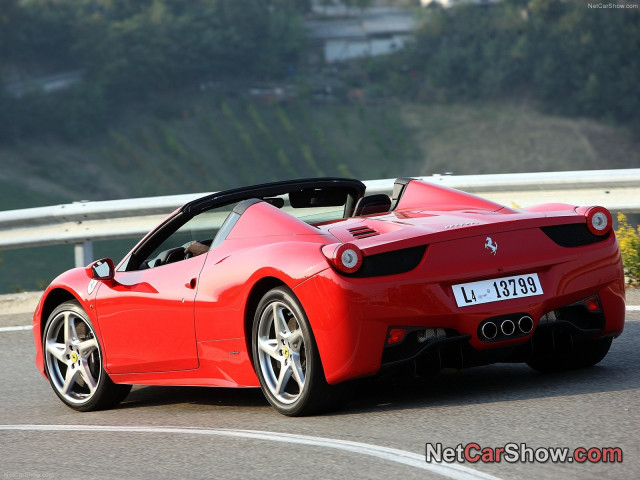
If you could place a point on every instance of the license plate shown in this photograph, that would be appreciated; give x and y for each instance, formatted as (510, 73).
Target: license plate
(497, 290)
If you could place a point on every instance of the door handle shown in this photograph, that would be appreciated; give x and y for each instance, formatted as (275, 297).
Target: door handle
(192, 284)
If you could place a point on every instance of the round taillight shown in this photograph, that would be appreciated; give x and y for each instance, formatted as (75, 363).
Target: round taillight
(598, 220)
(347, 258)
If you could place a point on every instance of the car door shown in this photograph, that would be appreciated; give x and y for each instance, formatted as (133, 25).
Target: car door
(146, 315)
(147, 318)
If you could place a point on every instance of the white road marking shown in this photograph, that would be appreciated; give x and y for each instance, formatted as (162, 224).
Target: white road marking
(15, 329)
(630, 308)
(453, 471)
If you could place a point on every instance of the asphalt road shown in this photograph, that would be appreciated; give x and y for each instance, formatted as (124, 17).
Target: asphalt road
(176, 433)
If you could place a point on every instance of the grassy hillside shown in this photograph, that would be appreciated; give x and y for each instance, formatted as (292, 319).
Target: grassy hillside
(198, 143)
(509, 138)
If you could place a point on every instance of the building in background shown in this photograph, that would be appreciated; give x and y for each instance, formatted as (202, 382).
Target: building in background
(369, 32)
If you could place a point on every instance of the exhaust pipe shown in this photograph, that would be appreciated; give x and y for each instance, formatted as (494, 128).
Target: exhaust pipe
(489, 330)
(508, 327)
(525, 324)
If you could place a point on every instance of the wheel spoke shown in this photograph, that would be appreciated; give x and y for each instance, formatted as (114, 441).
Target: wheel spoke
(57, 350)
(295, 340)
(280, 323)
(69, 380)
(297, 371)
(269, 346)
(87, 347)
(283, 379)
(87, 376)
(69, 329)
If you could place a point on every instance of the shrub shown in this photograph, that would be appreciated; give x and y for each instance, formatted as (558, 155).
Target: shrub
(629, 240)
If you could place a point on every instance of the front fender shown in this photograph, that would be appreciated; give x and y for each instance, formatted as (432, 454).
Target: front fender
(71, 285)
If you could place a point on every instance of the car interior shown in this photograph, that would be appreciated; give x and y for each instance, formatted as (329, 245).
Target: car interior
(311, 205)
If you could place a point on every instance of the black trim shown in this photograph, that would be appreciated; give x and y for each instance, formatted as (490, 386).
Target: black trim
(567, 326)
(371, 204)
(390, 263)
(573, 235)
(410, 348)
(579, 316)
(355, 187)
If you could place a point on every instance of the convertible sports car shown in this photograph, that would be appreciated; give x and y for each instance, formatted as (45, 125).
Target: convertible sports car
(307, 285)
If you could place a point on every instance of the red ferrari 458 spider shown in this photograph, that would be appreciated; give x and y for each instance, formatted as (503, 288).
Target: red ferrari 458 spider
(304, 286)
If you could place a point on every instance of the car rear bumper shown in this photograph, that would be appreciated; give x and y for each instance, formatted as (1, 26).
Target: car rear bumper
(351, 317)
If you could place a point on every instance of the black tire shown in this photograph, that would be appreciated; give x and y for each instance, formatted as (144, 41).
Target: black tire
(583, 354)
(73, 361)
(286, 359)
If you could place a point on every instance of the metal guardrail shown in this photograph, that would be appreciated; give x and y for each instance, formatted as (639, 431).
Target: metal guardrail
(81, 223)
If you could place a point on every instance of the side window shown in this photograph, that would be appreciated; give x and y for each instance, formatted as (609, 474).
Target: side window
(201, 229)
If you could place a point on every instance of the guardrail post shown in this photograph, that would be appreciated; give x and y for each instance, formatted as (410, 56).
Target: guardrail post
(83, 253)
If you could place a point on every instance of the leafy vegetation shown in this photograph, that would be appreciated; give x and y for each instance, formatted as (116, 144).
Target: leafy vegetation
(629, 240)
(130, 50)
(561, 54)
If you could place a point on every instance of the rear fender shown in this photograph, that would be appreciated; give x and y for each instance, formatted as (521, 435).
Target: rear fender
(236, 275)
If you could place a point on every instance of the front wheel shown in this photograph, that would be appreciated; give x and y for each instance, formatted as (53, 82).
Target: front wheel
(286, 358)
(73, 361)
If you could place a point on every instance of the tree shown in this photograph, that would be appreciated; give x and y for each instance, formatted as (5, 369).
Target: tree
(568, 59)
(10, 19)
(167, 45)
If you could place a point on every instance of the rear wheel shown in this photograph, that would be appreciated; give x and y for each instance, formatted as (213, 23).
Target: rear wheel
(286, 358)
(73, 361)
(582, 355)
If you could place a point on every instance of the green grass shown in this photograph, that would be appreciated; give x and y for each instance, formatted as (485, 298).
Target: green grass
(201, 144)
(210, 145)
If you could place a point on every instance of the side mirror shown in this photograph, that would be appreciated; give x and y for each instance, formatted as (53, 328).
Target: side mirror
(101, 269)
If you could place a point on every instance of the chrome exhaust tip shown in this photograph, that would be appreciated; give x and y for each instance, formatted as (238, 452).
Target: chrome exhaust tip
(525, 324)
(489, 330)
(508, 327)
